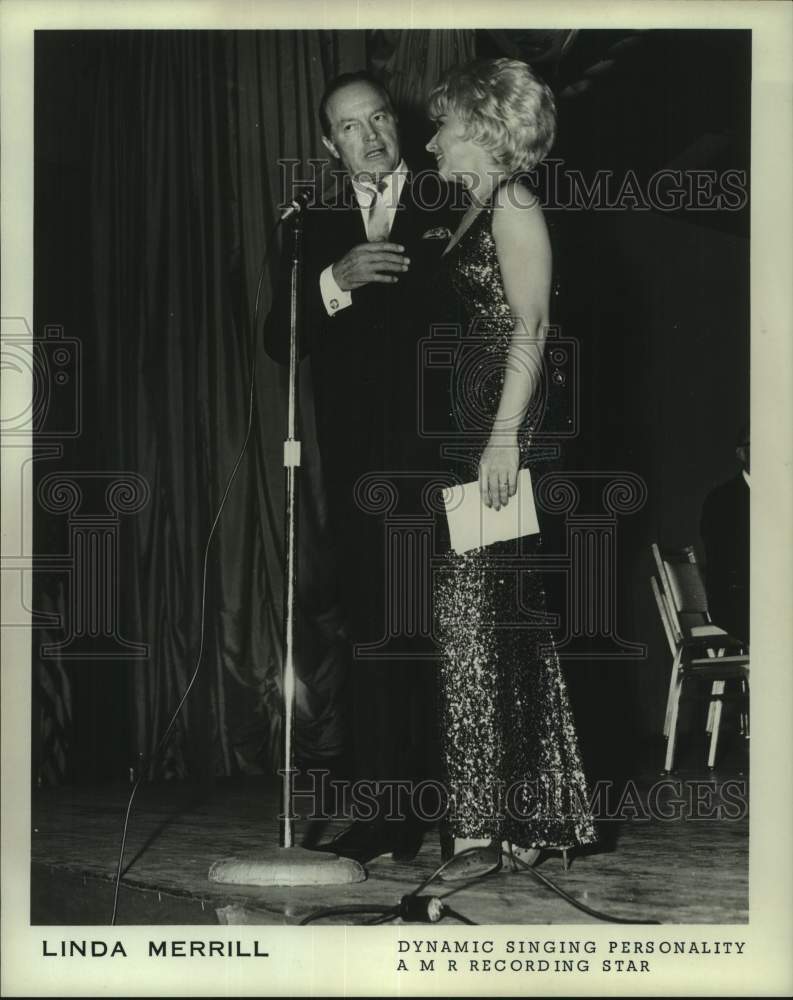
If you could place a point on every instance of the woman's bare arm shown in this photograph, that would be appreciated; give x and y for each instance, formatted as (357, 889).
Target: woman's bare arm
(524, 255)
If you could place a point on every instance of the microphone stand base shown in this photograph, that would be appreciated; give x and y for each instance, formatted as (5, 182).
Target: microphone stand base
(287, 866)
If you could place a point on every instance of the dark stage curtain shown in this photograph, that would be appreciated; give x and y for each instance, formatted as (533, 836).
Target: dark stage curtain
(175, 150)
(189, 130)
(183, 146)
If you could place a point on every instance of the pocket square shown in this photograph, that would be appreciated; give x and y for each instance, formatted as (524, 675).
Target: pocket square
(439, 233)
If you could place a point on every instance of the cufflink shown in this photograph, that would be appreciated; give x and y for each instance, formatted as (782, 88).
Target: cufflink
(334, 303)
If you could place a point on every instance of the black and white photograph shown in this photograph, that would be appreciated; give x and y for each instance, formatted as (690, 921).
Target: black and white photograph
(379, 399)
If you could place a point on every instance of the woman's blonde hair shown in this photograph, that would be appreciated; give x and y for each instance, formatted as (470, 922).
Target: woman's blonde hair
(505, 108)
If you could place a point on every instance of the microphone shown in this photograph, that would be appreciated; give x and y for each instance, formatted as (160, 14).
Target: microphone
(297, 204)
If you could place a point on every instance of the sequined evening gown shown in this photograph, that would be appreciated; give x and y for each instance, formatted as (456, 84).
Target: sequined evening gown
(509, 746)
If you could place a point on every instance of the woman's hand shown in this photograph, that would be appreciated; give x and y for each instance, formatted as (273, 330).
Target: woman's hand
(498, 473)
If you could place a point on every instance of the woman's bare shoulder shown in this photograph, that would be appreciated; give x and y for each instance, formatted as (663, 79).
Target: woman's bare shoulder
(515, 194)
(517, 211)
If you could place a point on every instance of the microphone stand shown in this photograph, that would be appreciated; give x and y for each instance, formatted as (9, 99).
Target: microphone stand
(288, 864)
(291, 464)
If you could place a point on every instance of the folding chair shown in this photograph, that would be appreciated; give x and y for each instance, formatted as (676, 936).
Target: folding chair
(699, 648)
(685, 600)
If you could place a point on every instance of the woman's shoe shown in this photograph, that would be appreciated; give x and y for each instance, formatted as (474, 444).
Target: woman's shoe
(521, 857)
(566, 852)
(530, 856)
(473, 862)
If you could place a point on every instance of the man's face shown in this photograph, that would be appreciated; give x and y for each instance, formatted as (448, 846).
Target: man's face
(363, 131)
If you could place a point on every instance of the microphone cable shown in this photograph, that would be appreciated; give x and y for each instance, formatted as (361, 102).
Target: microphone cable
(590, 911)
(413, 907)
(538, 876)
(233, 475)
(417, 907)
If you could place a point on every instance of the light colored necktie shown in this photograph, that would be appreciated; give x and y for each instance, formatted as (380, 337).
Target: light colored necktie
(379, 223)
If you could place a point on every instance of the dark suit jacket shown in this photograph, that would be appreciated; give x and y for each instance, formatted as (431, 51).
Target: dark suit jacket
(364, 362)
(724, 529)
(364, 358)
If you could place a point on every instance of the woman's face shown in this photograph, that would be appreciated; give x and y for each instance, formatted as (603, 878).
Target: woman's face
(459, 159)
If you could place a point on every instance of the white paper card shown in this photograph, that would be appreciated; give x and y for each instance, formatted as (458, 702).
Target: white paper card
(473, 525)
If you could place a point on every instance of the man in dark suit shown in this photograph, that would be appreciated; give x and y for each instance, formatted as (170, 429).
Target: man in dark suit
(724, 528)
(364, 306)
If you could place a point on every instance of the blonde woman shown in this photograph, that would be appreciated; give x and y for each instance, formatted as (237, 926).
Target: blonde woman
(510, 749)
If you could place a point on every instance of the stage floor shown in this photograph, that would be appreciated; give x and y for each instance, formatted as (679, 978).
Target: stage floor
(671, 866)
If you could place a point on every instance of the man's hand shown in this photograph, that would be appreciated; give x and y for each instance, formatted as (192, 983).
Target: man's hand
(498, 474)
(367, 262)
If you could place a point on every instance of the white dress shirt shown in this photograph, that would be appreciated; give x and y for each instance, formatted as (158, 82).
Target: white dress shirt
(334, 298)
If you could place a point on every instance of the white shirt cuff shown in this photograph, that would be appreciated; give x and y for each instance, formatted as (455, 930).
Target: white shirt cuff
(333, 297)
